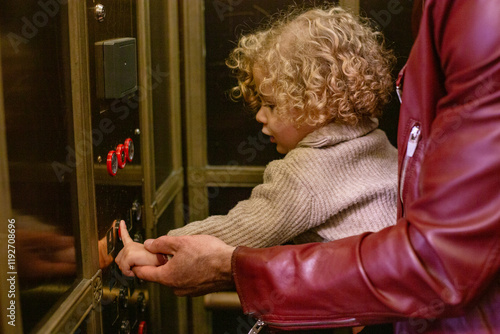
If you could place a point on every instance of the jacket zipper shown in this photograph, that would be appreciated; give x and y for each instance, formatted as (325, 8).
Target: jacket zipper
(411, 147)
(257, 327)
(260, 324)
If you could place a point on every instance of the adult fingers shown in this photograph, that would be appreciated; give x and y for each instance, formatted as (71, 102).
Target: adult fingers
(162, 245)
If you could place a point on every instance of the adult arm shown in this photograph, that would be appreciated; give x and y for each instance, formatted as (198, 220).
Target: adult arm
(440, 258)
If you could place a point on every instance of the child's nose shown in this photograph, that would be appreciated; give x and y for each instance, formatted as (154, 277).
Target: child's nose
(260, 116)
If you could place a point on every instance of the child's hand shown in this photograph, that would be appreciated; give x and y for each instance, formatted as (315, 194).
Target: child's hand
(133, 254)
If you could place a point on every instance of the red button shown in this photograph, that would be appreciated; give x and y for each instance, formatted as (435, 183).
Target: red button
(142, 328)
(112, 163)
(120, 153)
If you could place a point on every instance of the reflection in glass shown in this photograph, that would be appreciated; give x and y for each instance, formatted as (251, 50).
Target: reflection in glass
(161, 99)
(41, 152)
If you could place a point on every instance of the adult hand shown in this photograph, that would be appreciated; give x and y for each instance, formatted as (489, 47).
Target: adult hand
(199, 264)
(45, 254)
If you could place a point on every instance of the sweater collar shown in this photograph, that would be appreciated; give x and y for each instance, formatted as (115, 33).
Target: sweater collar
(333, 133)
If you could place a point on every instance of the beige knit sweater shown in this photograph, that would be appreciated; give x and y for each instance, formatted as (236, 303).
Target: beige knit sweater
(339, 181)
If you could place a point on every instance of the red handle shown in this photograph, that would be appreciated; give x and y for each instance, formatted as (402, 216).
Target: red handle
(129, 149)
(120, 153)
(112, 163)
(142, 329)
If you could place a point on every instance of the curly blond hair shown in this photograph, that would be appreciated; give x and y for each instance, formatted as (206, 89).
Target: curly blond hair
(324, 64)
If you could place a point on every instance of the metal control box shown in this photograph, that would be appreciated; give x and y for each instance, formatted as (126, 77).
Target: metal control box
(116, 67)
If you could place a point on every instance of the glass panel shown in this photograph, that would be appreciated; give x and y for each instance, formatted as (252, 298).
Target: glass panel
(233, 134)
(166, 221)
(161, 98)
(393, 18)
(41, 151)
(221, 200)
(169, 307)
(82, 329)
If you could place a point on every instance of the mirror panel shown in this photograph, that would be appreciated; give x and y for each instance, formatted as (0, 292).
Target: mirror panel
(41, 153)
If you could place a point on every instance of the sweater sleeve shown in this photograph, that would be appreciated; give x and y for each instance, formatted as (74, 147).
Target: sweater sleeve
(277, 210)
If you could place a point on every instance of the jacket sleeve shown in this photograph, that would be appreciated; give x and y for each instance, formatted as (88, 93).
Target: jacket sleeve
(441, 257)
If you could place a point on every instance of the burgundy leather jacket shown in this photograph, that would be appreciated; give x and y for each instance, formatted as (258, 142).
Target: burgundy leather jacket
(437, 269)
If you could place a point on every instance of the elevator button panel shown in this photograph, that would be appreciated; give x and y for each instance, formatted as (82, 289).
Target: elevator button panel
(129, 307)
(125, 299)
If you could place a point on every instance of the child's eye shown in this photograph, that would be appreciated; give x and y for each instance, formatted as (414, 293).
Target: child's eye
(270, 106)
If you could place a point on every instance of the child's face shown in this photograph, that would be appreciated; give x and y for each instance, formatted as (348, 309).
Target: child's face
(285, 134)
